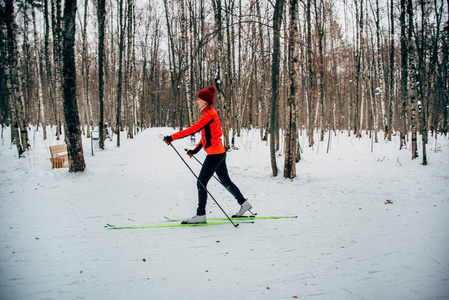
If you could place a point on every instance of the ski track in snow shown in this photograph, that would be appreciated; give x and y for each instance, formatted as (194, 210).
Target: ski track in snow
(345, 244)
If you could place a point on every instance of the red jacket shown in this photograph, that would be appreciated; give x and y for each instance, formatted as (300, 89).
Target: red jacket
(211, 132)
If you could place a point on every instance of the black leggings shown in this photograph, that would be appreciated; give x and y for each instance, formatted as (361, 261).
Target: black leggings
(215, 163)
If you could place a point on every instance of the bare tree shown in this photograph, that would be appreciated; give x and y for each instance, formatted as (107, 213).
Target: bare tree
(101, 20)
(129, 70)
(222, 87)
(73, 132)
(413, 80)
(312, 92)
(19, 124)
(120, 72)
(277, 21)
(40, 71)
(85, 64)
(185, 63)
(4, 94)
(390, 85)
(404, 72)
(57, 60)
(293, 66)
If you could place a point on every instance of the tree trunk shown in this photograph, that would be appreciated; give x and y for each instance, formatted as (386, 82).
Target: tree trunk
(277, 22)
(101, 20)
(381, 72)
(56, 79)
(320, 23)
(85, 101)
(129, 72)
(40, 71)
(414, 81)
(73, 134)
(120, 74)
(185, 64)
(12, 74)
(293, 66)
(173, 72)
(404, 72)
(358, 57)
(221, 88)
(311, 96)
(262, 91)
(391, 74)
(229, 75)
(48, 67)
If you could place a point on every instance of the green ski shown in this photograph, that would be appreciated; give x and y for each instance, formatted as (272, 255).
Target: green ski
(171, 225)
(243, 218)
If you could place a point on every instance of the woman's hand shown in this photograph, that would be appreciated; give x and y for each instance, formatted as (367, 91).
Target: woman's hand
(168, 139)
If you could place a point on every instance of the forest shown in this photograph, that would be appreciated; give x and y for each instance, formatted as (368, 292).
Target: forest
(279, 66)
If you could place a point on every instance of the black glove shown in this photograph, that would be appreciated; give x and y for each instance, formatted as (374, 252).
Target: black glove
(190, 153)
(194, 151)
(168, 139)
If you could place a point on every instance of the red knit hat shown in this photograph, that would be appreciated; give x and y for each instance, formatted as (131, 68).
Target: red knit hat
(208, 95)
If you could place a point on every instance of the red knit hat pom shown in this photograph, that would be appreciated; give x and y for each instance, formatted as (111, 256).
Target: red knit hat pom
(212, 89)
(208, 94)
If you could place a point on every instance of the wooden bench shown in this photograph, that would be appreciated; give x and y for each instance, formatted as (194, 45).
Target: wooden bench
(58, 156)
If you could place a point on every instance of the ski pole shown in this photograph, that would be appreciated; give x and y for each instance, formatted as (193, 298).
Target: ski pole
(218, 180)
(235, 225)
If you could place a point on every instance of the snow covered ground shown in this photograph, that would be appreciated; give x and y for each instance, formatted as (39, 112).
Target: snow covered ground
(346, 243)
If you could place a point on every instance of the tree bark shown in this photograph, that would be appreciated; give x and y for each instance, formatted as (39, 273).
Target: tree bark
(101, 20)
(391, 75)
(185, 65)
(320, 23)
(73, 134)
(86, 102)
(404, 72)
(57, 59)
(293, 66)
(414, 81)
(222, 88)
(39, 71)
(277, 22)
(12, 74)
(311, 74)
(120, 74)
(129, 71)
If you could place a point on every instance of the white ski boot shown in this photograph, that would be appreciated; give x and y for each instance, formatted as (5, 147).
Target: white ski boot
(195, 220)
(243, 208)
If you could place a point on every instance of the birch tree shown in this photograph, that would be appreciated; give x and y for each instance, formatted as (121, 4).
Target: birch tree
(185, 69)
(293, 66)
(16, 107)
(221, 86)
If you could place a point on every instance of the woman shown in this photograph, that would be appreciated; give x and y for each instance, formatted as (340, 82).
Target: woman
(215, 161)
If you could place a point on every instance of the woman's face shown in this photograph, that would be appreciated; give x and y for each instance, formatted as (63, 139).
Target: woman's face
(200, 103)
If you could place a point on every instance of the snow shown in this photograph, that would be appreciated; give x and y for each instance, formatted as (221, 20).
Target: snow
(348, 241)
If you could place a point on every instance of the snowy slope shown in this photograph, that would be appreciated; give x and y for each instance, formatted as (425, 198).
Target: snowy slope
(346, 243)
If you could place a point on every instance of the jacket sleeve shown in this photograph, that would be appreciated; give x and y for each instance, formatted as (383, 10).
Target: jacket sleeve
(198, 147)
(200, 124)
